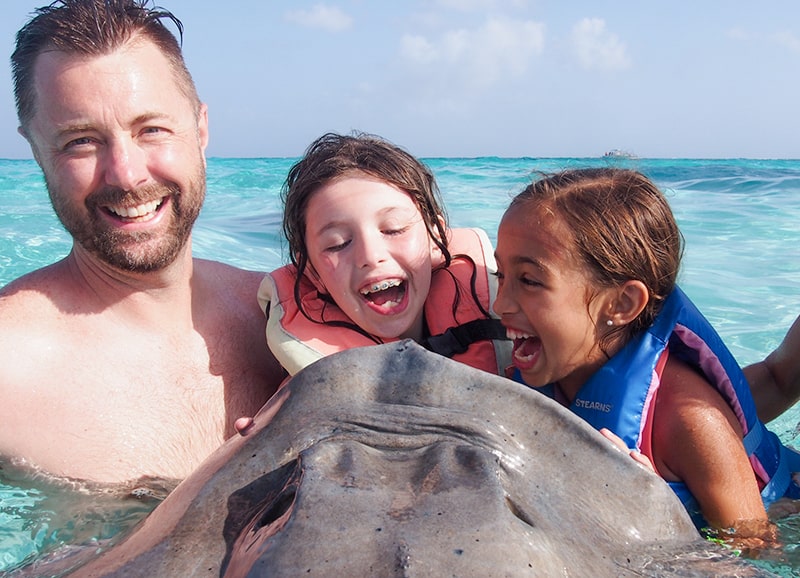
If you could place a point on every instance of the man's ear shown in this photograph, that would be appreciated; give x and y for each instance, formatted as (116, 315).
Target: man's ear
(202, 129)
(35, 151)
(630, 300)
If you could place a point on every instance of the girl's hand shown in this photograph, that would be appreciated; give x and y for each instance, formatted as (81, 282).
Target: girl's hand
(637, 456)
(243, 425)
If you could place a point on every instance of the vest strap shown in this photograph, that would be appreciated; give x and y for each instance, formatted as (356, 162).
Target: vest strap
(458, 339)
(781, 480)
(753, 438)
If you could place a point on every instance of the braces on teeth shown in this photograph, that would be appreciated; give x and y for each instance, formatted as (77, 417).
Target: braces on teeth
(383, 286)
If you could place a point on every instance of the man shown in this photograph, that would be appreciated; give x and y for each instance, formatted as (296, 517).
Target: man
(127, 358)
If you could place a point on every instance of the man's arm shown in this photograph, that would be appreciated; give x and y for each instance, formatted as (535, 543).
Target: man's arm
(775, 381)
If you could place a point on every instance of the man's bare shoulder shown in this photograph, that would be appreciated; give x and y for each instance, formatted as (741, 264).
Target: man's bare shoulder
(34, 296)
(223, 274)
(38, 314)
(237, 320)
(36, 337)
(84, 365)
(233, 290)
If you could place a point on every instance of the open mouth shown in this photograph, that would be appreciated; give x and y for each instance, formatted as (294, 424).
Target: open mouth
(526, 348)
(386, 294)
(139, 213)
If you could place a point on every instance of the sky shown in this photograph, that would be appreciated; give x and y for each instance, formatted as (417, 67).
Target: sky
(470, 78)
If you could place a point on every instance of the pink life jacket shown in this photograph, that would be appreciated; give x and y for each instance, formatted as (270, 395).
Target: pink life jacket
(468, 336)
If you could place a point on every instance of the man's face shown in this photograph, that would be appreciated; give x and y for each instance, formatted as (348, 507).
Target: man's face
(122, 150)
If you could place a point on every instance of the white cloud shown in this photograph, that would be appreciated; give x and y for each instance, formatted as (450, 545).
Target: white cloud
(321, 16)
(481, 56)
(789, 41)
(597, 48)
(418, 49)
(481, 5)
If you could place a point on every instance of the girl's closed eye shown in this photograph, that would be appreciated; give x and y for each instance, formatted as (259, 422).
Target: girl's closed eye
(334, 243)
(399, 221)
(398, 224)
(395, 231)
(337, 248)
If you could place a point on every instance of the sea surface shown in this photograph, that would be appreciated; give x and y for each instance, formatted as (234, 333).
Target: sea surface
(741, 266)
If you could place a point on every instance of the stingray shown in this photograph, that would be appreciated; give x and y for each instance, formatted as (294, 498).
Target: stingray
(390, 461)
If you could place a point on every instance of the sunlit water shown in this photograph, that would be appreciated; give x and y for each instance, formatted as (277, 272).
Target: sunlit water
(741, 266)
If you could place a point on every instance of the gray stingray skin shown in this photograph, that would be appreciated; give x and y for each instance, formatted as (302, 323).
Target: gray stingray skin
(392, 461)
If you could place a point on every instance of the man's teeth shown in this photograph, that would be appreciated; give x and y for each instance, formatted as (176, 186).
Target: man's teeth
(516, 334)
(138, 211)
(382, 286)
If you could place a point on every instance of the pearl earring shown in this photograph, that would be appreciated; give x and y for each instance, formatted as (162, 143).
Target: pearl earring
(609, 322)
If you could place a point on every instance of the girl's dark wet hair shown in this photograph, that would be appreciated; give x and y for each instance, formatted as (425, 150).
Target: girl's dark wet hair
(333, 156)
(622, 229)
(92, 28)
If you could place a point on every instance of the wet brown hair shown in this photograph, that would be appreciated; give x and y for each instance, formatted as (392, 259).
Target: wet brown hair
(92, 28)
(622, 229)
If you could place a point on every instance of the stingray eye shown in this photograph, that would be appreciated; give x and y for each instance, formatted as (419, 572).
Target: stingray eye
(278, 504)
(276, 509)
(260, 509)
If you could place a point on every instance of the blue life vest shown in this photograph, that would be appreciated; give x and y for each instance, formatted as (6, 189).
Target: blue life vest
(619, 395)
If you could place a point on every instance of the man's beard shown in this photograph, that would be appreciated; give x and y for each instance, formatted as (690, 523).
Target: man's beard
(135, 252)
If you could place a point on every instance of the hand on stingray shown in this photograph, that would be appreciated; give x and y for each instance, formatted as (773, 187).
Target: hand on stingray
(243, 425)
(637, 456)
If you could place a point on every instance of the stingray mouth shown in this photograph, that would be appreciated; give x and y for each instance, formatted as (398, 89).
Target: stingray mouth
(386, 295)
(136, 214)
(526, 349)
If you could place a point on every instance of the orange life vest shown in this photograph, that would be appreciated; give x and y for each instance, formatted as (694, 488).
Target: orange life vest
(297, 341)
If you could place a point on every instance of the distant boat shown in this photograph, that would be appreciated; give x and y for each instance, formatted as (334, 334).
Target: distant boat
(617, 153)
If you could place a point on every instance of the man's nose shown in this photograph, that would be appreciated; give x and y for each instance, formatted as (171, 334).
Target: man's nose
(125, 165)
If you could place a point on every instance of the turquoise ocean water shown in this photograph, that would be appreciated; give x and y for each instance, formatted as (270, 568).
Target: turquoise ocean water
(741, 266)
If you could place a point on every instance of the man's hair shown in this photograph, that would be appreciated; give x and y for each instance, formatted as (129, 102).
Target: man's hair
(92, 28)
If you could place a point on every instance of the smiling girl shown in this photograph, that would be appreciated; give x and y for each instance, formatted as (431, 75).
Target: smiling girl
(587, 262)
(373, 261)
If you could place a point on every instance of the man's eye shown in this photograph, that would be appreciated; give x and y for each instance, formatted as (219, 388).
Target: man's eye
(84, 140)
